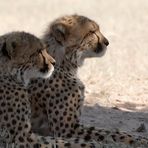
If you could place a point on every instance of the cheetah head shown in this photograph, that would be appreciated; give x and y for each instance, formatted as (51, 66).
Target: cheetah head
(24, 55)
(80, 34)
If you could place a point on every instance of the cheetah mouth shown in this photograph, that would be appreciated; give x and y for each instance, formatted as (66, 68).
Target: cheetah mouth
(100, 50)
(46, 72)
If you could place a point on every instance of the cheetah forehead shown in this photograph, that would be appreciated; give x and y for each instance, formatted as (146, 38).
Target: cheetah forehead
(75, 19)
(77, 23)
(21, 42)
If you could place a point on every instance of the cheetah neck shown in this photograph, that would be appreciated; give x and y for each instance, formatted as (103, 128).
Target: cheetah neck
(10, 71)
(68, 62)
(14, 75)
(67, 67)
(17, 76)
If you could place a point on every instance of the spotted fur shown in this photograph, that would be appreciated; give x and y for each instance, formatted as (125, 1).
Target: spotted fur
(57, 102)
(22, 57)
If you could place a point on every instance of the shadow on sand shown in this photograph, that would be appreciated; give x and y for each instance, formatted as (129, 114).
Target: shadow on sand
(117, 118)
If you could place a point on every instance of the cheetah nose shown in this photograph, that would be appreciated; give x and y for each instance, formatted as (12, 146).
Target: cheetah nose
(106, 42)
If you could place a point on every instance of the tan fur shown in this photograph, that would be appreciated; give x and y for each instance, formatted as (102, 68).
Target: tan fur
(74, 32)
(57, 102)
(22, 52)
(22, 48)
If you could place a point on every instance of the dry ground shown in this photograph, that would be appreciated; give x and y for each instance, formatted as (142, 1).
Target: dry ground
(117, 84)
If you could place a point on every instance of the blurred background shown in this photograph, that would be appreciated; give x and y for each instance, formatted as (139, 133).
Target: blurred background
(116, 84)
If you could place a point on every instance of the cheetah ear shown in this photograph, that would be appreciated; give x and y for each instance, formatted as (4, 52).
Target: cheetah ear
(60, 32)
(4, 50)
(8, 50)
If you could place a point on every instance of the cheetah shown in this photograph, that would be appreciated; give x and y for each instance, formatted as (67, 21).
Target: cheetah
(57, 102)
(23, 57)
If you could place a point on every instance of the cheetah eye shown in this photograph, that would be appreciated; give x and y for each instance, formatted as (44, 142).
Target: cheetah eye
(90, 33)
(36, 53)
(39, 50)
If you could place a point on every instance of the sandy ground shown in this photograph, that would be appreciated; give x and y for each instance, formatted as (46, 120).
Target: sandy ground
(116, 84)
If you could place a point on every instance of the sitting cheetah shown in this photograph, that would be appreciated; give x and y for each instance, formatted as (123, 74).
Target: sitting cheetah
(22, 57)
(57, 102)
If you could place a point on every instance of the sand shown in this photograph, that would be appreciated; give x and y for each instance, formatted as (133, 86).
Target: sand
(116, 84)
